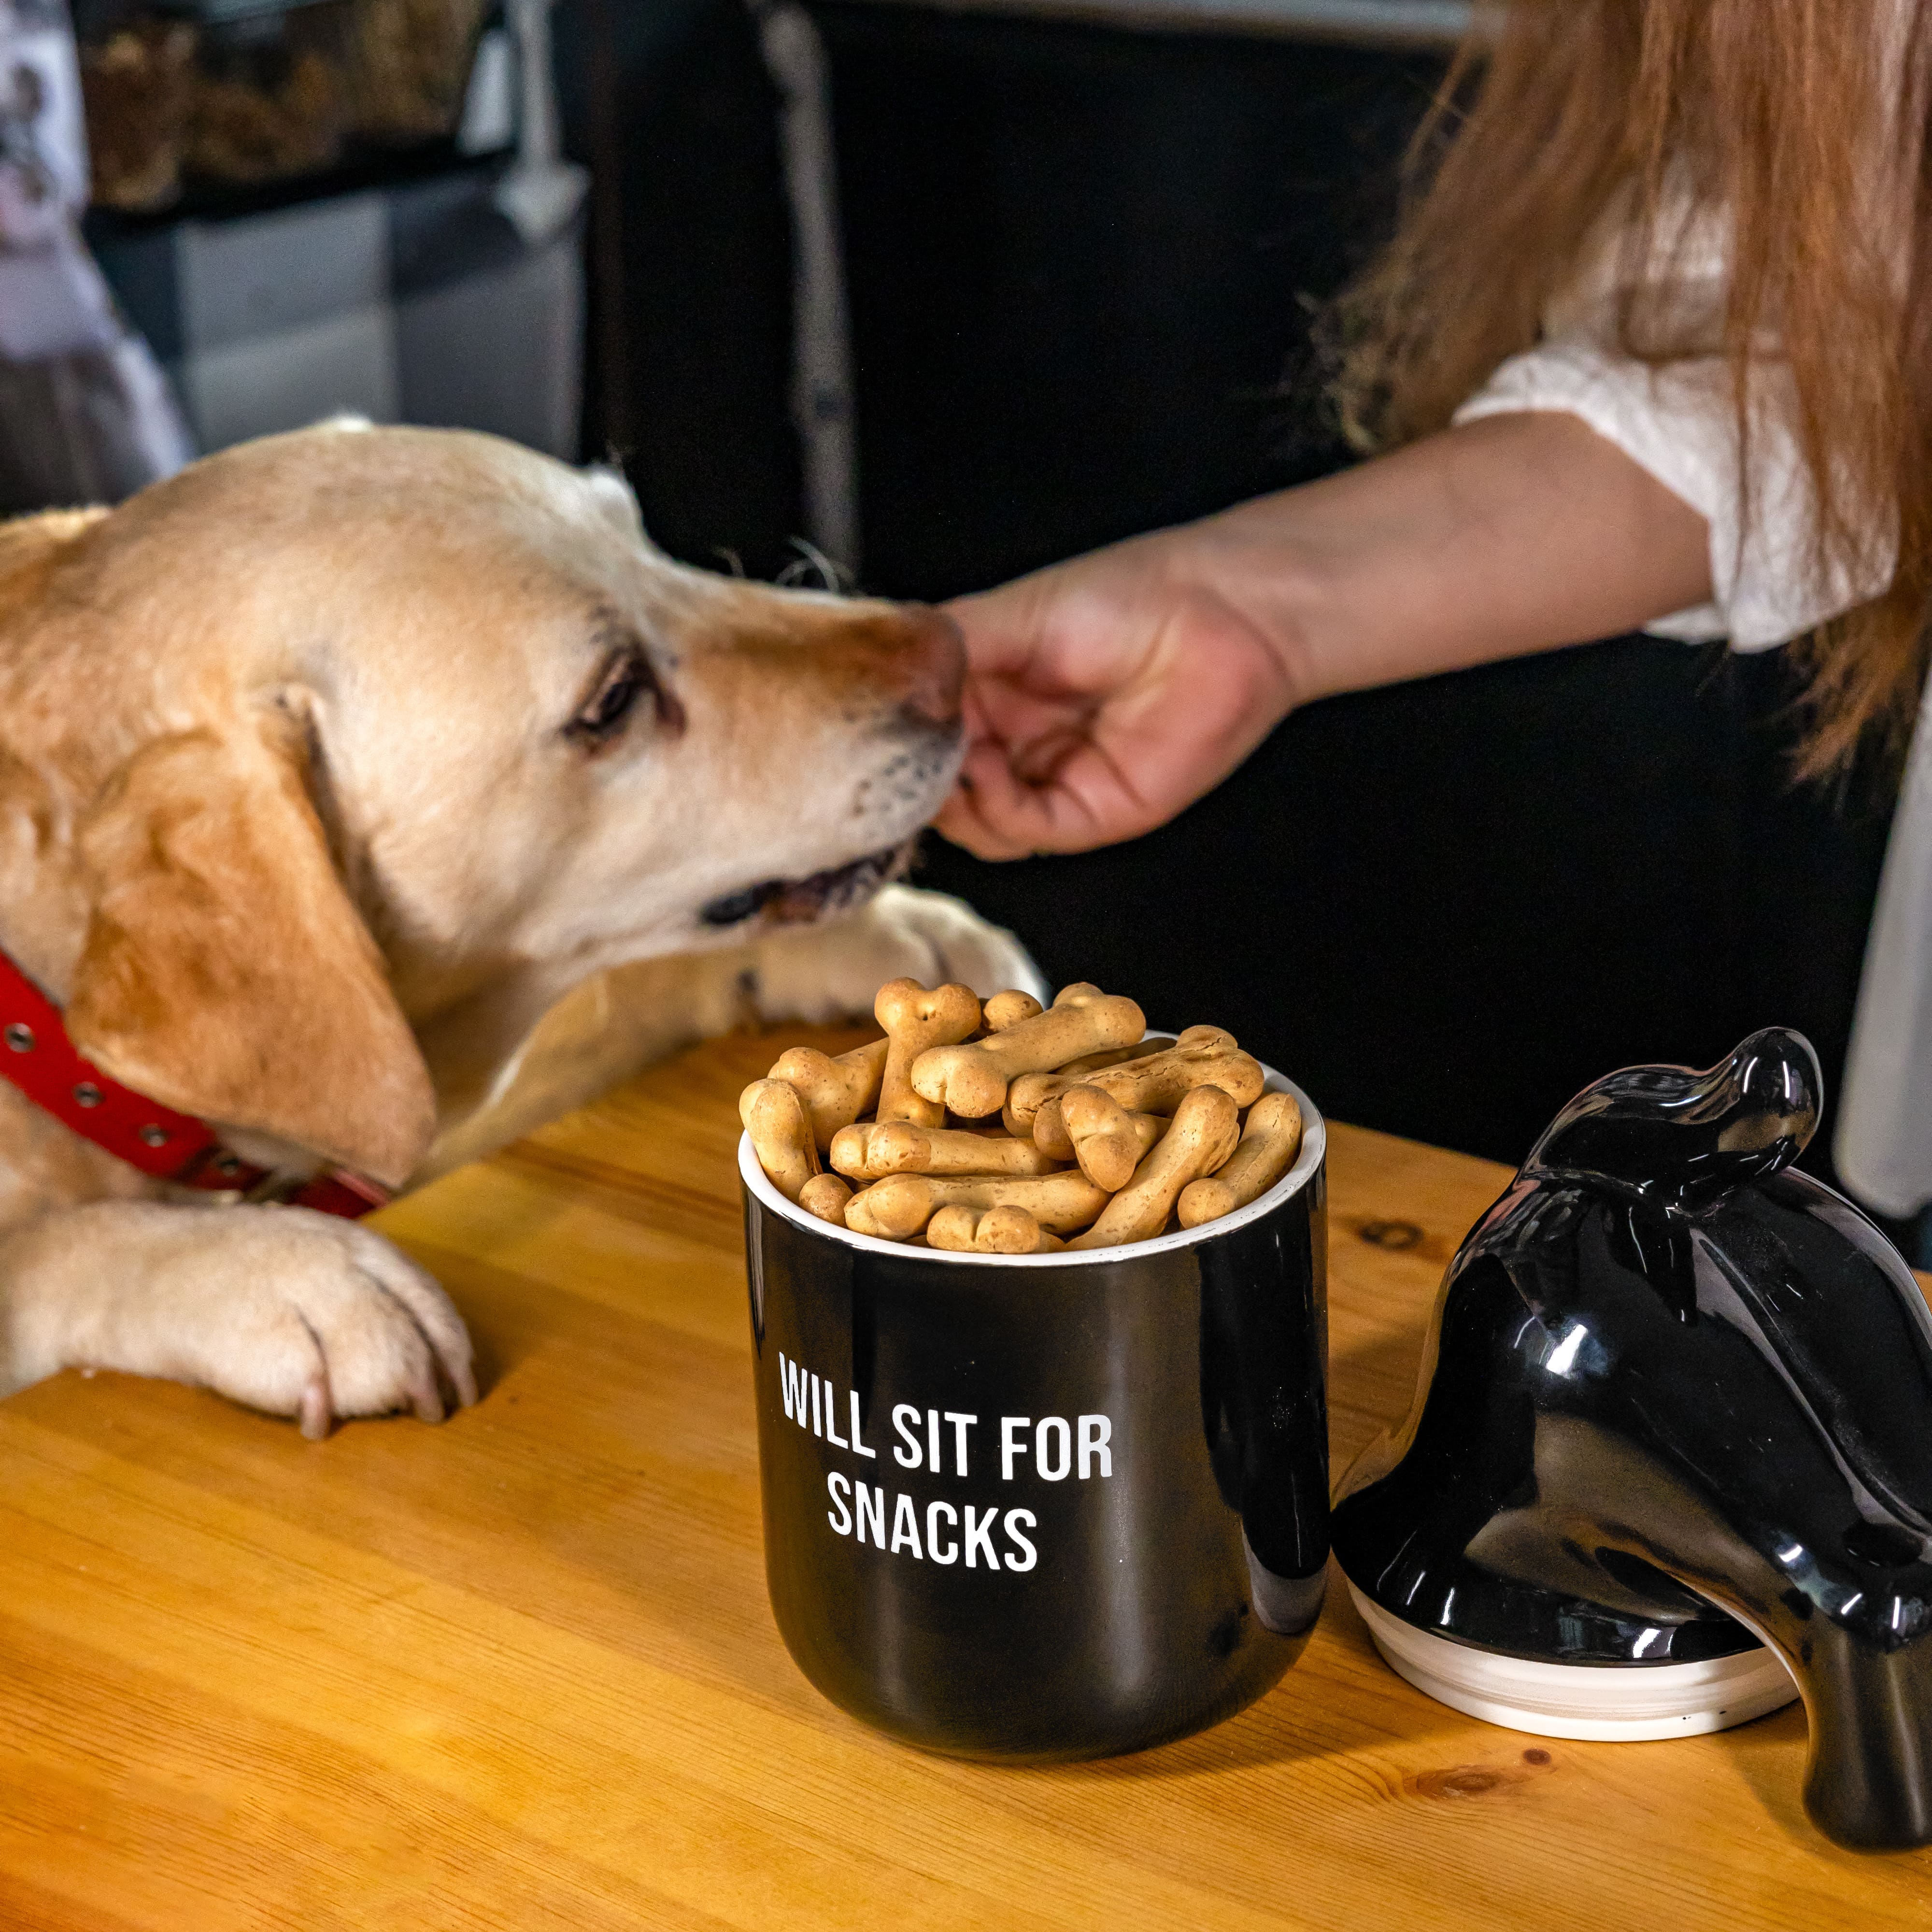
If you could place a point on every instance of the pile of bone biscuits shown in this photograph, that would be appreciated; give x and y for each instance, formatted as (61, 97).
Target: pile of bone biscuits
(1012, 1129)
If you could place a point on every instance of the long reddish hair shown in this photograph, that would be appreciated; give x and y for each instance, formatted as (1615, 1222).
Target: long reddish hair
(1803, 123)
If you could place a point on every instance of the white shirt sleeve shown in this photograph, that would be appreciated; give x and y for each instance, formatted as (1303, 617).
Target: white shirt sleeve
(1679, 421)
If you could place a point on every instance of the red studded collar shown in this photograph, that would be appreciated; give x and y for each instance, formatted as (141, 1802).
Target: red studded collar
(36, 1056)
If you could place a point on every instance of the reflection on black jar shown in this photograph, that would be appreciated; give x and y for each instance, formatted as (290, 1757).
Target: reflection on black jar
(1677, 1408)
(1049, 1507)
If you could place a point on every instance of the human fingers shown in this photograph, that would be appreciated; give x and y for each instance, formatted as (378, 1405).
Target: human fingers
(1045, 655)
(996, 814)
(1005, 627)
(1065, 773)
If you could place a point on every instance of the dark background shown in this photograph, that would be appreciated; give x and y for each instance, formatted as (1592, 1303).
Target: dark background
(1081, 264)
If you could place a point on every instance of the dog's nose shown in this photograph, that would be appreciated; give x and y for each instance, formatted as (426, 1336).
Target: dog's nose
(932, 664)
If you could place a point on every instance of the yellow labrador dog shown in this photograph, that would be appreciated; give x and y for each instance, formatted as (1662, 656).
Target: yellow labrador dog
(371, 794)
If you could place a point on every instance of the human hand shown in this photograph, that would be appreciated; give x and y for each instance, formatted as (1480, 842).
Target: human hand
(1104, 695)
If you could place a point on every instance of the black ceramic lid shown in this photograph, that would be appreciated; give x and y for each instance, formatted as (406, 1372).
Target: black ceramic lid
(1668, 1378)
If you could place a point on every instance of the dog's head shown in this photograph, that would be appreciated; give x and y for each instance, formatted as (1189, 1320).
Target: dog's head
(337, 731)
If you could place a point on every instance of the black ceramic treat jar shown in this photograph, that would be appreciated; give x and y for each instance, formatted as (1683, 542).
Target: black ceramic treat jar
(1048, 1506)
(1669, 1460)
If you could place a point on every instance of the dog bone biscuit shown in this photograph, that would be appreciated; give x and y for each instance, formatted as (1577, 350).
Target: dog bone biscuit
(1206, 1125)
(859, 1217)
(1051, 1135)
(1009, 1230)
(780, 1130)
(901, 1205)
(1031, 1092)
(836, 1089)
(1108, 1142)
(854, 1149)
(1008, 1009)
(972, 1081)
(999, 1230)
(1024, 1097)
(1078, 1069)
(1027, 1094)
(825, 1195)
(870, 1150)
(916, 1022)
(1049, 1129)
(951, 1228)
(1202, 1056)
(1269, 1145)
(1205, 1036)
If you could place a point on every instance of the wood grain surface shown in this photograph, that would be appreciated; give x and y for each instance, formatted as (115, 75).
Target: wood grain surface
(519, 1671)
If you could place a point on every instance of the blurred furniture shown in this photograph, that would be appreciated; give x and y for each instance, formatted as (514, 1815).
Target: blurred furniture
(401, 269)
(519, 1672)
(192, 103)
(415, 303)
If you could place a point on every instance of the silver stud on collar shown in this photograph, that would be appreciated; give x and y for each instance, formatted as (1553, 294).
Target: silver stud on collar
(19, 1037)
(87, 1094)
(154, 1137)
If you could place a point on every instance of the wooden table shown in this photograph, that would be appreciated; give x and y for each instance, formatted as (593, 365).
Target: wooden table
(520, 1672)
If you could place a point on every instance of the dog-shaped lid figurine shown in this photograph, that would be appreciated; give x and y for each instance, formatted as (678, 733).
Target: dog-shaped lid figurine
(1674, 1426)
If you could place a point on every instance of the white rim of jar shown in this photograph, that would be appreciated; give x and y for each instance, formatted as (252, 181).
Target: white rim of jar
(1314, 1147)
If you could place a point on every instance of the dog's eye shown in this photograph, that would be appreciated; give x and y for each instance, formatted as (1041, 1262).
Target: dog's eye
(625, 678)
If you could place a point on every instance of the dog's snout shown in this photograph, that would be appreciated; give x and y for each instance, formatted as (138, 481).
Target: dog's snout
(932, 664)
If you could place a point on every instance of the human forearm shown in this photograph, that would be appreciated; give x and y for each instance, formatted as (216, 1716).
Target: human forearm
(1107, 693)
(1511, 535)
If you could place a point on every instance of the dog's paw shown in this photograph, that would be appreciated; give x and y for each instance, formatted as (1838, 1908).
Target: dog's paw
(301, 1314)
(830, 971)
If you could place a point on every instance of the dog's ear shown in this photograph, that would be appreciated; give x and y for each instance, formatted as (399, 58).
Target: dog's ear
(226, 972)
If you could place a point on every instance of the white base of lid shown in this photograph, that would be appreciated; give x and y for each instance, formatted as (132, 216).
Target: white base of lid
(1607, 1701)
